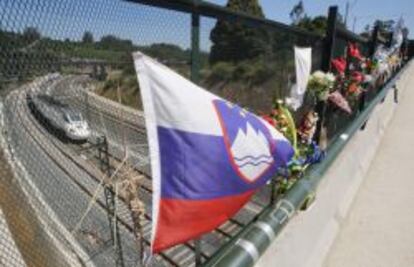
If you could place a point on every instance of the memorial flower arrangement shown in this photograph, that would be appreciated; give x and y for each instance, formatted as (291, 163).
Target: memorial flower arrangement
(307, 151)
(352, 78)
(339, 64)
(281, 118)
(351, 75)
(320, 84)
(340, 101)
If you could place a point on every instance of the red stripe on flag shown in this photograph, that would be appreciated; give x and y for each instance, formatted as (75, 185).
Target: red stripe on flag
(183, 220)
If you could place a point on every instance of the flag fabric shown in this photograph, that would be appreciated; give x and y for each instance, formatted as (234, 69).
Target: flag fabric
(303, 64)
(208, 156)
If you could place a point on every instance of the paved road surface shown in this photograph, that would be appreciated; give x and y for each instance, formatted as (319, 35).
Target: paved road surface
(379, 229)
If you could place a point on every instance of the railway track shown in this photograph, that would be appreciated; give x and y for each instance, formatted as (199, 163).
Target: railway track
(60, 155)
(87, 177)
(228, 230)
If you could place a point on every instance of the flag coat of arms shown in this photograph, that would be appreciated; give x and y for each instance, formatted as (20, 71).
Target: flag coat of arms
(208, 156)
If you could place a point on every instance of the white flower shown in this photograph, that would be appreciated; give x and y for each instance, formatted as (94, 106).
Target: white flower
(330, 77)
(368, 78)
(318, 75)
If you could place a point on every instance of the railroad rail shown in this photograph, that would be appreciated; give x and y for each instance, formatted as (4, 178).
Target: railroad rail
(86, 176)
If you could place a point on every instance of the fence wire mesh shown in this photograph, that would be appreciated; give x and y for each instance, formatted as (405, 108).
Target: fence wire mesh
(75, 186)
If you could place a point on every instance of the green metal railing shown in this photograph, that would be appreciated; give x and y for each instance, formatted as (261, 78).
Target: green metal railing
(180, 36)
(260, 233)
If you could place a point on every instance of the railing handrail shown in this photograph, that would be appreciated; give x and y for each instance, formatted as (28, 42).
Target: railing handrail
(219, 12)
(351, 36)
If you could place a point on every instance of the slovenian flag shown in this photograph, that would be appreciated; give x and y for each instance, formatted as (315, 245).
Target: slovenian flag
(208, 156)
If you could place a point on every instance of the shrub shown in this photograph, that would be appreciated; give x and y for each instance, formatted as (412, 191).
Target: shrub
(222, 71)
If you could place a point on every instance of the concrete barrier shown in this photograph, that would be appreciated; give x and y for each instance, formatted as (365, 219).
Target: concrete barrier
(306, 240)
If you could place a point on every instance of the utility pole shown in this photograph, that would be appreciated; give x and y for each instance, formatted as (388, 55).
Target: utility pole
(346, 13)
(354, 24)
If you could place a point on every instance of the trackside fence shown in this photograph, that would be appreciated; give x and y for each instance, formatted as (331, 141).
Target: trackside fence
(67, 202)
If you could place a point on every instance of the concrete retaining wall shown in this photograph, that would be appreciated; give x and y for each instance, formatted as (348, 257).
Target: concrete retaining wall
(306, 240)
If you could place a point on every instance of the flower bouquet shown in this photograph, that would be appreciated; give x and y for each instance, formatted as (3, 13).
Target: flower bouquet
(281, 118)
(339, 64)
(320, 84)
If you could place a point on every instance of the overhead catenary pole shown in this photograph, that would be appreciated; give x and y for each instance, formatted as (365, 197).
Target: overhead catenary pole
(110, 201)
(346, 13)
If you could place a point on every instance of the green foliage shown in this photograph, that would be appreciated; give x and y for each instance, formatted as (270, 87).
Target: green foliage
(317, 25)
(251, 7)
(234, 41)
(111, 42)
(127, 85)
(248, 71)
(31, 34)
(222, 71)
(28, 53)
(87, 38)
(168, 52)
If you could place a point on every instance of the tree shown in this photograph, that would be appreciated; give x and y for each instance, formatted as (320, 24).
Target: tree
(297, 13)
(87, 38)
(112, 42)
(31, 34)
(317, 24)
(234, 41)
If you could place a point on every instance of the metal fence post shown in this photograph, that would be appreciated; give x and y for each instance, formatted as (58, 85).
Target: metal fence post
(195, 77)
(372, 48)
(329, 44)
(110, 201)
(195, 42)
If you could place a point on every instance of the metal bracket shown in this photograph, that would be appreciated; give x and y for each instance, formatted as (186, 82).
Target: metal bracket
(396, 94)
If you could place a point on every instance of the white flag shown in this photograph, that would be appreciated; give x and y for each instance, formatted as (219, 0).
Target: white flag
(303, 63)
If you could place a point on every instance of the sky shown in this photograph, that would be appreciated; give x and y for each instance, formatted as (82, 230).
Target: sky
(61, 19)
(365, 11)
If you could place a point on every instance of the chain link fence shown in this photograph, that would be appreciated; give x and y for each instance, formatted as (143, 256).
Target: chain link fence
(75, 186)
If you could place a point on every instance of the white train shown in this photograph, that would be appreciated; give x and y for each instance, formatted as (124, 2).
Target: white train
(60, 115)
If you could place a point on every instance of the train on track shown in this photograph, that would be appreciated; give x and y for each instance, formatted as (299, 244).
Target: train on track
(60, 115)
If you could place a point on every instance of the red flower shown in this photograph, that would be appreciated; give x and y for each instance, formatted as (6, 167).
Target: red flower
(275, 112)
(354, 89)
(357, 77)
(354, 52)
(339, 64)
(270, 120)
(369, 64)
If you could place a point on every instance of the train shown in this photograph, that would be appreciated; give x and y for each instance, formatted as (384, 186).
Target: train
(60, 116)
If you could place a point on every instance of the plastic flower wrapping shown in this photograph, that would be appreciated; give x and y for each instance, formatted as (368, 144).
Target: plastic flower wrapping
(339, 100)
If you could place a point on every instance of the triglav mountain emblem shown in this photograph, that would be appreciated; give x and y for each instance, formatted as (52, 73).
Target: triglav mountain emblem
(247, 139)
